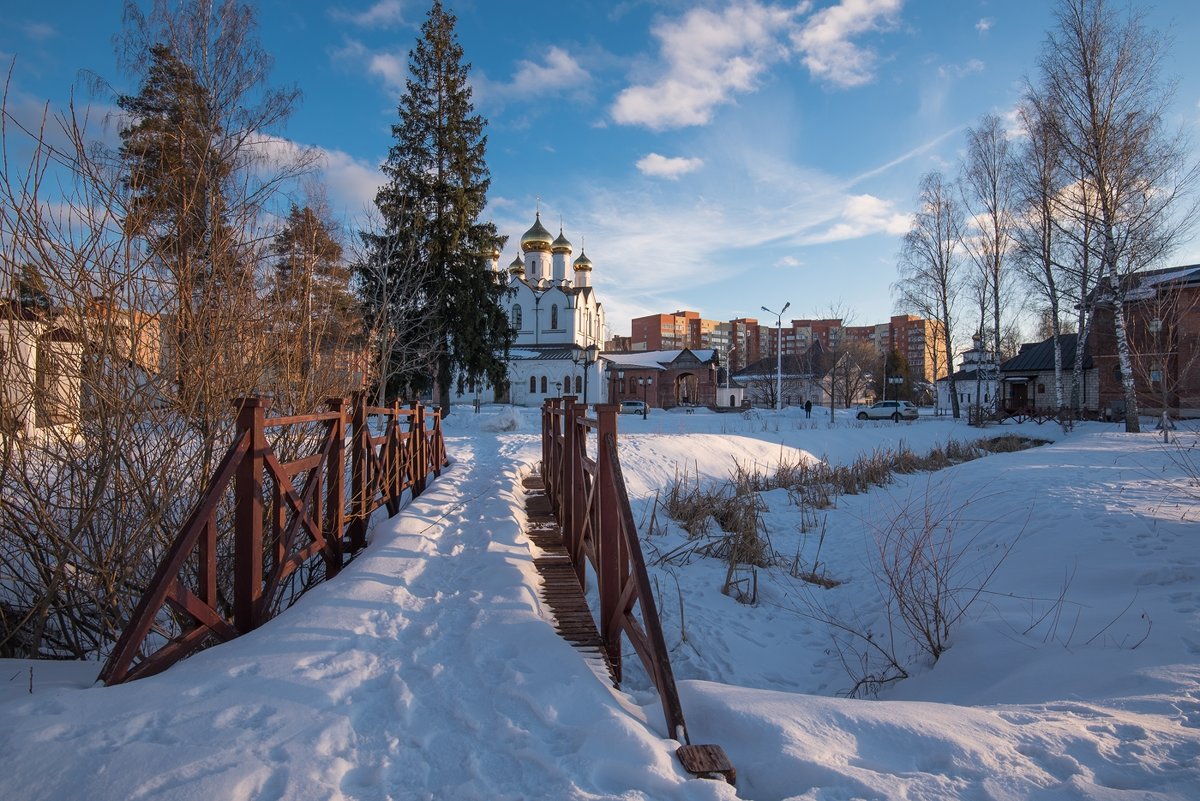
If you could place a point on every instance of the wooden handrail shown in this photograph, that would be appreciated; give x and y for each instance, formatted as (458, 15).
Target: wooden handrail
(306, 518)
(591, 502)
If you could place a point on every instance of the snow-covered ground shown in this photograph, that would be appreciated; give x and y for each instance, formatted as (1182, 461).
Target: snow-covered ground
(428, 670)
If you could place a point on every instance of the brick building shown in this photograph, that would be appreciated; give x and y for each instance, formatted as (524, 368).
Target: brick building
(1162, 321)
(745, 340)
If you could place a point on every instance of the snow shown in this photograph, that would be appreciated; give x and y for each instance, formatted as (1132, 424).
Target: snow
(428, 668)
(654, 359)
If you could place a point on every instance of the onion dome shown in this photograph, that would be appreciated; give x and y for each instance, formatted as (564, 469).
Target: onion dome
(583, 262)
(517, 267)
(537, 237)
(561, 245)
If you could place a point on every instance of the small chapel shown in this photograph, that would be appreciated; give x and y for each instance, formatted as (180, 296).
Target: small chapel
(557, 322)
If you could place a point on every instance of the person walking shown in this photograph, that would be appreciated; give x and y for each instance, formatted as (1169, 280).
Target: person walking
(808, 408)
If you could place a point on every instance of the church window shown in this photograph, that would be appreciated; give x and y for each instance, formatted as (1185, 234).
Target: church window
(578, 384)
(554, 316)
(544, 390)
(532, 384)
(516, 316)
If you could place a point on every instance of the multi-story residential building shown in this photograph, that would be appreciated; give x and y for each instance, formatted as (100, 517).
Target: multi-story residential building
(744, 340)
(682, 329)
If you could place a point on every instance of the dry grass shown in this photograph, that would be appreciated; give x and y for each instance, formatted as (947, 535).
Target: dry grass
(724, 519)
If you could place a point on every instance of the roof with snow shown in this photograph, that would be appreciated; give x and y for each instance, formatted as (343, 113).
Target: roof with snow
(657, 359)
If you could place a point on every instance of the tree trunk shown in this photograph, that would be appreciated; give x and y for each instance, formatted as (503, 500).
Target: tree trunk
(1132, 423)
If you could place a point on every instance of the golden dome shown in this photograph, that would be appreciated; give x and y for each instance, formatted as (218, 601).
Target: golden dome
(517, 266)
(583, 262)
(537, 237)
(561, 245)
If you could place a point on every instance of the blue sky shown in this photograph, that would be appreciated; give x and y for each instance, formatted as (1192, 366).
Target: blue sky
(715, 156)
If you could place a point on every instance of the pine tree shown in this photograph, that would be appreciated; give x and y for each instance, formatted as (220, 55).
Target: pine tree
(311, 283)
(430, 208)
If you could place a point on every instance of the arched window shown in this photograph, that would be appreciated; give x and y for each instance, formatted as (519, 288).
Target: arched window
(532, 384)
(516, 316)
(566, 383)
(544, 390)
(578, 384)
(554, 316)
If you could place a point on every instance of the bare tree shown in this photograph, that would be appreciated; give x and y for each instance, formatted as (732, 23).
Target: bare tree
(390, 281)
(987, 180)
(1039, 176)
(930, 269)
(1099, 72)
(150, 261)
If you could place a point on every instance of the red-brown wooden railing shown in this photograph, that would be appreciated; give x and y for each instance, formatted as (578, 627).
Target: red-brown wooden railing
(591, 503)
(188, 604)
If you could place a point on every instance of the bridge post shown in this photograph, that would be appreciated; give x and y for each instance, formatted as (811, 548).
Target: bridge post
(360, 441)
(613, 560)
(421, 448)
(248, 515)
(335, 488)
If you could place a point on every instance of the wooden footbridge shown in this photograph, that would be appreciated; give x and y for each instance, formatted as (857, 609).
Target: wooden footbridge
(285, 511)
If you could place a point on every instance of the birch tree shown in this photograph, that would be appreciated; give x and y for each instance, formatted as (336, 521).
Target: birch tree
(987, 180)
(1099, 72)
(930, 265)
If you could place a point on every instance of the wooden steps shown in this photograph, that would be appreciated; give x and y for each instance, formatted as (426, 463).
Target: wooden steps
(560, 589)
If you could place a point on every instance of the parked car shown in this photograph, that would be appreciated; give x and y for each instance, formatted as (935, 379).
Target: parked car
(895, 410)
(633, 407)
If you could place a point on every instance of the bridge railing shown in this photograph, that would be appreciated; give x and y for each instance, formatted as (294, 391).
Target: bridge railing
(268, 524)
(581, 470)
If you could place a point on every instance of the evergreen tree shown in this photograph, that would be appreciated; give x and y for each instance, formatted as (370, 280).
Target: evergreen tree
(312, 284)
(430, 208)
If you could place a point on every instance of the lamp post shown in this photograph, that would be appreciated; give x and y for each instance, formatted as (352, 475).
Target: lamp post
(587, 357)
(778, 354)
(645, 382)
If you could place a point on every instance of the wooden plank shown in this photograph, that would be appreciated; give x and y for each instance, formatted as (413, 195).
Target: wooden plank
(707, 762)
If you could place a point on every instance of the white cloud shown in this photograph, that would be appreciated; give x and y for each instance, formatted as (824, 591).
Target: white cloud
(984, 25)
(390, 67)
(393, 69)
(352, 183)
(665, 167)
(709, 56)
(558, 72)
(862, 215)
(825, 40)
(790, 262)
(384, 13)
(960, 70)
(39, 31)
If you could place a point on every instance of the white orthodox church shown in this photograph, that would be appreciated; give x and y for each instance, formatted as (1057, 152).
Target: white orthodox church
(558, 324)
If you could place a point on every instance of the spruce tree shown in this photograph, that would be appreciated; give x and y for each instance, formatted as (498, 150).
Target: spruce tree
(430, 208)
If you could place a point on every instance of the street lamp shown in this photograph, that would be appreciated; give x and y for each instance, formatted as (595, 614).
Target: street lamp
(645, 383)
(588, 357)
(778, 353)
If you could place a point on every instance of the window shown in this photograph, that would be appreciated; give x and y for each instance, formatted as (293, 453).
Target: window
(544, 390)
(554, 316)
(579, 383)
(516, 316)
(566, 384)
(532, 384)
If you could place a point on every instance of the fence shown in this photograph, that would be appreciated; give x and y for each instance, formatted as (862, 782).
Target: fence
(205, 591)
(591, 504)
